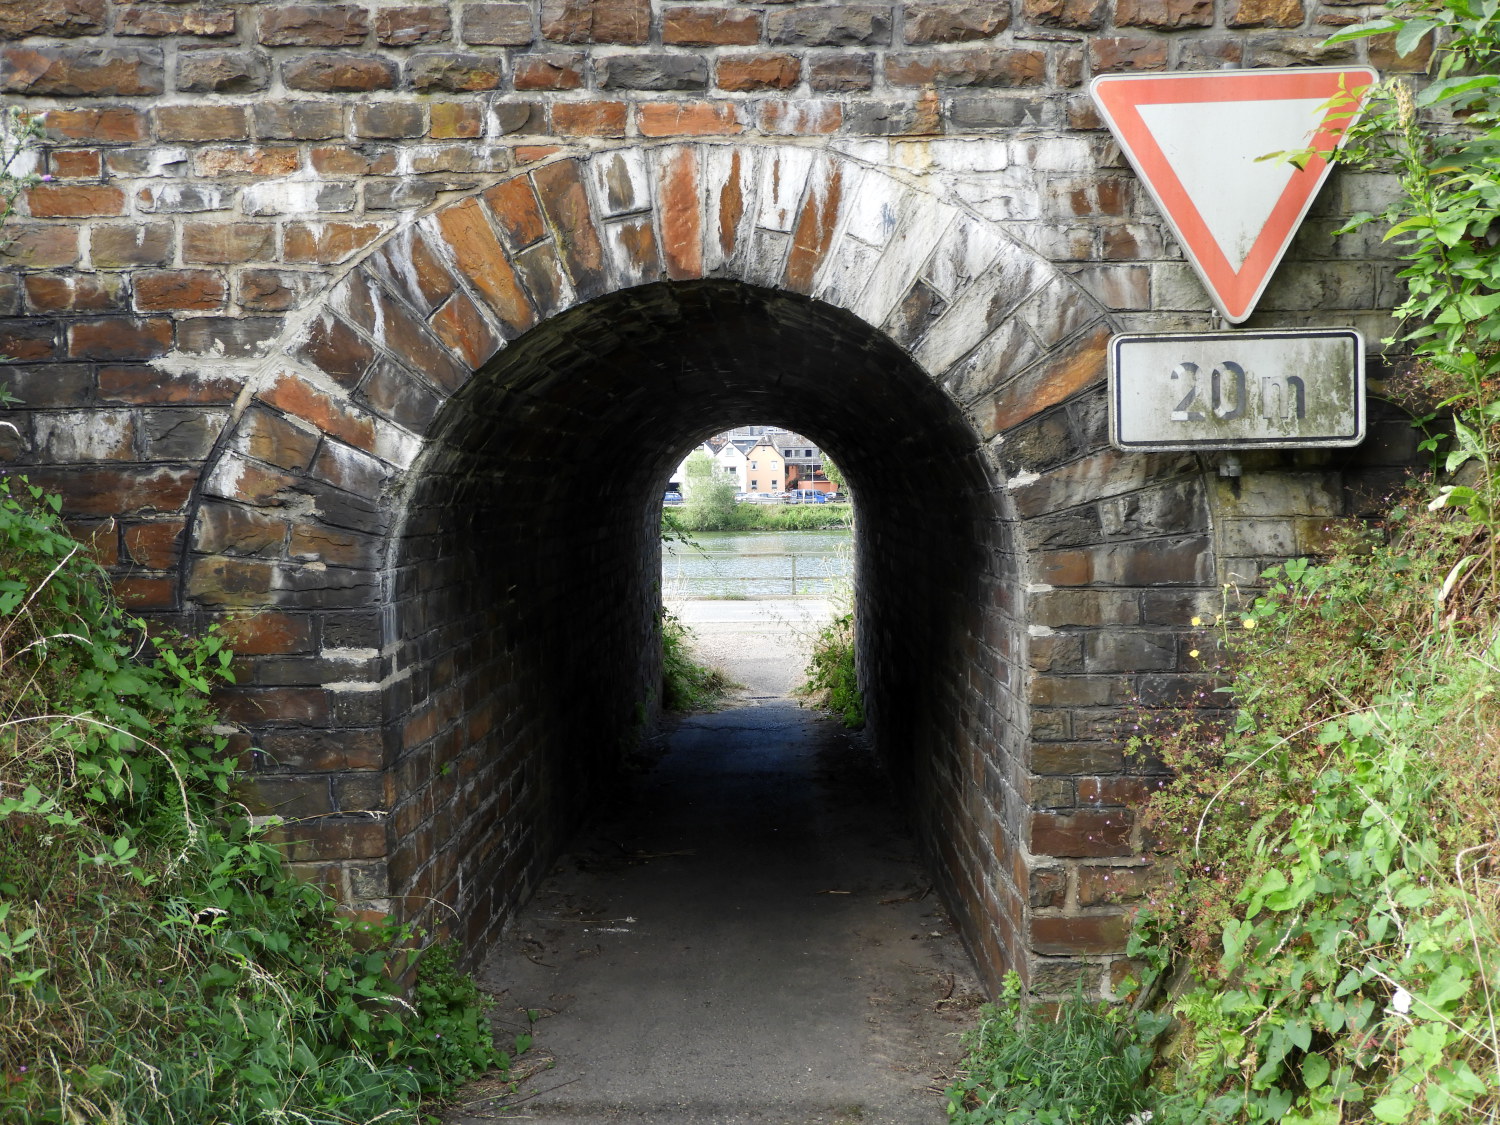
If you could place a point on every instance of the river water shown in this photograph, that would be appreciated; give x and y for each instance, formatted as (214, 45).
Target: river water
(758, 564)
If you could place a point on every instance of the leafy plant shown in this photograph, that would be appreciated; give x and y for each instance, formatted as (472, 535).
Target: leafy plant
(832, 680)
(1082, 1065)
(157, 961)
(687, 685)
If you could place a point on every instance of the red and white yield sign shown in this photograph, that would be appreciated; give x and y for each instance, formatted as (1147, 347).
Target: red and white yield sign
(1196, 140)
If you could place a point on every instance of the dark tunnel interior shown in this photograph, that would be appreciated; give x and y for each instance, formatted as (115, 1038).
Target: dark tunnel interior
(525, 584)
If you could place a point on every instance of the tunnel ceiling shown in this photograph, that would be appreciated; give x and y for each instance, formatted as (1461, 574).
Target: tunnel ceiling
(634, 378)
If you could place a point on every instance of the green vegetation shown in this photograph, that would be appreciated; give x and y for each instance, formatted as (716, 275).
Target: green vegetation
(1073, 1067)
(758, 517)
(832, 683)
(686, 684)
(1326, 950)
(157, 962)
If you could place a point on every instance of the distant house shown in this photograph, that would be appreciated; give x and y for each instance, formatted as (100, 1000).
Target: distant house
(804, 462)
(765, 465)
(730, 460)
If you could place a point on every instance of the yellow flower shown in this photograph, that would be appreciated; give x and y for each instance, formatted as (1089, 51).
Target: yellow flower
(1249, 623)
(1193, 653)
(1197, 621)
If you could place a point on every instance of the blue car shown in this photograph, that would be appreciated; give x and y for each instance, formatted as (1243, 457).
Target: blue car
(672, 498)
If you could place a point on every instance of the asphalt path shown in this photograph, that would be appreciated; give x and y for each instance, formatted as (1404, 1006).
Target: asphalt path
(747, 937)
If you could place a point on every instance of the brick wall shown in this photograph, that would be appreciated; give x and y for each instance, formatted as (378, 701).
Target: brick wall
(332, 318)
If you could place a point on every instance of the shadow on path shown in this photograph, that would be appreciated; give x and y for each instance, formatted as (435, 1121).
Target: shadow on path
(748, 938)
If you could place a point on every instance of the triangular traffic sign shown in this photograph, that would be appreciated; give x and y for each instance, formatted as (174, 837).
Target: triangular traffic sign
(1195, 140)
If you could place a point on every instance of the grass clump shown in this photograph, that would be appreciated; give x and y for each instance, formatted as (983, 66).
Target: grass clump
(157, 962)
(1074, 1066)
(832, 681)
(687, 685)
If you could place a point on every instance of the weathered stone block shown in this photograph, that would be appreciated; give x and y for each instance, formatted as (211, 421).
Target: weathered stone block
(454, 73)
(118, 337)
(202, 123)
(339, 74)
(407, 25)
(1081, 935)
(63, 19)
(205, 23)
(941, 21)
(166, 290)
(589, 119)
(691, 119)
(709, 27)
(841, 73)
(1165, 15)
(227, 243)
(741, 73)
(551, 70)
(1265, 13)
(846, 25)
(222, 72)
(653, 72)
(1081, 834)
(82, 72)
(309, 25)
(299, 121)
(228, 337)
(596, 21)
(498, 25)
(969, 67)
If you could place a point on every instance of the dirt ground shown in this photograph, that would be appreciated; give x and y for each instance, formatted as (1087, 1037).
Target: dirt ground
(746, 937)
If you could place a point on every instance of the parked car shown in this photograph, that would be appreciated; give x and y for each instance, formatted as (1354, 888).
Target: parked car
(763, 498)
(672, 498)
(806, 496)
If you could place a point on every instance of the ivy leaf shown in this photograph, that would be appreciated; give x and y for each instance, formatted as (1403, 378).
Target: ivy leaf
(1447, 88)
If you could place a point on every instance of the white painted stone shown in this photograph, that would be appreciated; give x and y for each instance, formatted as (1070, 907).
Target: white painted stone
(83, 435)
(1053, 154)
(626, 169)
(846, 272)
(393, 265)
(999, 198)
(766, 261)
(783, 176)
(719, 166)
(921, 226)
(981, 307)
(966, 249)
(875, 210)
(997, 358)
(830, 174)
(869, 151)
(395, 446)
(976, 154)
(284, 197)
(628, 272)
(1057, 311)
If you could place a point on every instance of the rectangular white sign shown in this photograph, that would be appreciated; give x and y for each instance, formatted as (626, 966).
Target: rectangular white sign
(1237, 390)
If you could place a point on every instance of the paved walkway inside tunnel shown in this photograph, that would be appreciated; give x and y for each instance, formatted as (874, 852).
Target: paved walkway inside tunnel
(748, 937)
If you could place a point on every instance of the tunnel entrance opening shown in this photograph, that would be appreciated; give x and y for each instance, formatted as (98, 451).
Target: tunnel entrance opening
(525, 581)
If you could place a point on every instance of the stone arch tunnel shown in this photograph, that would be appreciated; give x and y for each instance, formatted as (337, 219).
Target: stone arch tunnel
(336, 323)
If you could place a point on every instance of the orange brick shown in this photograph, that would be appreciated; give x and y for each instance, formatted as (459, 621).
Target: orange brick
(689, 119)
(589, 119)
(71, 201)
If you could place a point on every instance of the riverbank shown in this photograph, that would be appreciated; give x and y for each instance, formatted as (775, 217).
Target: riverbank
(758, 517)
